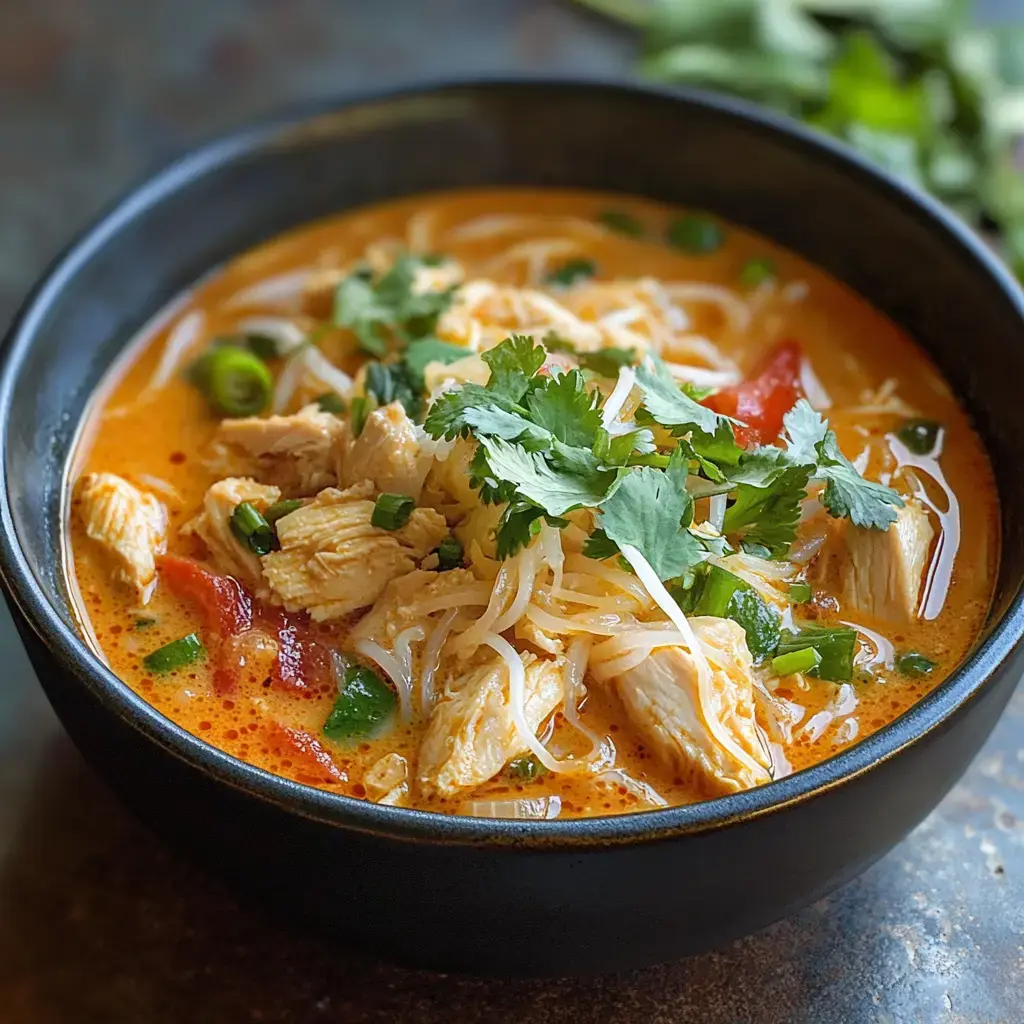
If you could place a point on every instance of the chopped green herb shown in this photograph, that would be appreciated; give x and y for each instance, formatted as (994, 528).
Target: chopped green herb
(363, 706)
(358, 409)
(553, 342)
(836, 645)
(252, 529)
(920, 436)
(392, 511)
(796, 661)
(756, 550)
(330, 401)
(386, 312)
(608, 361)
(524, 769)
(800, 592)
(175, 655)
(726, 596)
(395, 382)
(236, 382)
(263, 346)
(694, 234)
(622, 222)
(144, 622)
(572, 272)
(280, 509)
(424, 351)
(913, 663)
(757, 271)
(449, 554)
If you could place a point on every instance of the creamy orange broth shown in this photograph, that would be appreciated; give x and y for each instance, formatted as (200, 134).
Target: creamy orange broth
(851, 346)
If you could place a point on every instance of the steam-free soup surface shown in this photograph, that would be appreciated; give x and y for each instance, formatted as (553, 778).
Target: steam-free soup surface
(520, 503)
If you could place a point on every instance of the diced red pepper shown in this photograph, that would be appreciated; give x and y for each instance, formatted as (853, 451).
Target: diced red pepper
(308, 752)
(761, 401)
(225, 605)
(301, 661)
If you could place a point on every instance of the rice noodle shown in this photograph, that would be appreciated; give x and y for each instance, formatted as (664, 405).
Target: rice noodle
(283, 290)
(527, 573)
(813, 388)
(551, 548)
(394, 669)
(321, 367)
(476, 594)
(735, 309)
(286, 334)
(179, 342)
(703, 378)
(536, 808)
(616, 577)
(495, 606)
(432, 660)
(607, 625)
(602, 748)
(288, 381)
(642, 790)
(517, 699)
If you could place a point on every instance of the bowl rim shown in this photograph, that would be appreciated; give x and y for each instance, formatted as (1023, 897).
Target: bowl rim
(73, 654)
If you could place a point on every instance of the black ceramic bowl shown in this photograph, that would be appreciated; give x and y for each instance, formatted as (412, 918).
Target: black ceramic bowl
(509, 896)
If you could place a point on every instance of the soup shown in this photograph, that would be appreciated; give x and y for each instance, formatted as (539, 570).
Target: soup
(528, 504)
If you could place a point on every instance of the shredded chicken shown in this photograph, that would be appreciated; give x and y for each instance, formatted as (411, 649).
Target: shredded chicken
(663, 701)
(130, 525)
(333, 561)
(213, 526)
(296, 453)
(387, 452)
(471, 735)
(387, 782)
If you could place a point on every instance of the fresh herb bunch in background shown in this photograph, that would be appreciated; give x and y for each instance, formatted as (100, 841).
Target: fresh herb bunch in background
(913, 84)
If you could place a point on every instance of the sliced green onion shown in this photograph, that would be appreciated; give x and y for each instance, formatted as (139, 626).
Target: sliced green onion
(697, 235)
(796, 661)
(726, 596)
(800, 592)
(143, 622)
(177, 654)
(449, 554)
(913, 663)
(756, 271)
(330, 401)
(572, 272)
(364, 704)
(920, 436)
(358, 409)
(262, 346)
(392, 511)
(837, 646)
(280, 509)
(524, 769)
(622, 222)
(252, 529)
(236, 382)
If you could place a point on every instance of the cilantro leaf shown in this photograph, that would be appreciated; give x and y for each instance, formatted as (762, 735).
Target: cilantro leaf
(424, 351)
(804, 431)
(393, 382)
(668, 405)
(847, 493)
(607, 361)
(600, 546)
(770, 513)
(387, 311)
(647, 510)
(447, 416)
(512, 364)
(564, 406)
(616, 449)
(554, 490)
(518, 525)
(572, 272)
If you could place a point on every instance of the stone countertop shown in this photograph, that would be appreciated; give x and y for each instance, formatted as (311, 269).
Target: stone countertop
(99, 922)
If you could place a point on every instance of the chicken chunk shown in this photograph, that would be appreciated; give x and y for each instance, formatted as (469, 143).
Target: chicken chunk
(297, 453)
(131, 525)
(213, 527)
(884, 568)
(403, 601)
(448, 483)
(471, 736)
(387, 452)
(387, 782)
(333, 561)
(709, 740)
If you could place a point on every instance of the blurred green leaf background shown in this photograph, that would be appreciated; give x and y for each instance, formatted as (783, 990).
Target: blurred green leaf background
(915, 85)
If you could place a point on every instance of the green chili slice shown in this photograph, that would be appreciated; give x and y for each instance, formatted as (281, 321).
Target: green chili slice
(177, 654)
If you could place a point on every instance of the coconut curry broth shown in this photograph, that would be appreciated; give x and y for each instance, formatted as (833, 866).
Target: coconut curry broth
(870, 378)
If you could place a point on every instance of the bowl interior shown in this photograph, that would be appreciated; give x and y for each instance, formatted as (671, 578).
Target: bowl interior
(913, 262)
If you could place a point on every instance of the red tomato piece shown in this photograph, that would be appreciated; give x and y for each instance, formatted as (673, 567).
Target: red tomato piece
(761, 401)
(312, 760)
(223, 602)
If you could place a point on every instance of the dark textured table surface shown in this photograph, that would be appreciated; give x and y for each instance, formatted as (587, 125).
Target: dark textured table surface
(99, 922)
